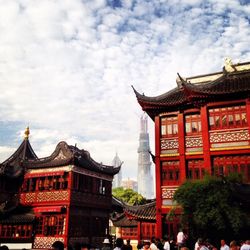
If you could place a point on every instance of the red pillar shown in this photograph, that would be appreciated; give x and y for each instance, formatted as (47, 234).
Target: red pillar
(205, 139)
(248, 113)
(181, 139)
(139, 236)
(158, 177)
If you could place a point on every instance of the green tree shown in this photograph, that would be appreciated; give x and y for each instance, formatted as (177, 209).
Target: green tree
(210, 209)
(129, 196)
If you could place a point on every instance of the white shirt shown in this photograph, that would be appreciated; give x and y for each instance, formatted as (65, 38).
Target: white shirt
(245, 247)
(153, 246)
(166, 246)
(180, 237)
(225, 247)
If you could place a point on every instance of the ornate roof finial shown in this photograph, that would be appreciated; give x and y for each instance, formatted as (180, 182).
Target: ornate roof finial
(26, 133)
(229, 65)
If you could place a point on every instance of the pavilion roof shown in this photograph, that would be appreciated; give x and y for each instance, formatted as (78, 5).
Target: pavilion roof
(14, 165)
(65, 154)
(232, 82)
(25, 158)
(141, 212)
(122, 220)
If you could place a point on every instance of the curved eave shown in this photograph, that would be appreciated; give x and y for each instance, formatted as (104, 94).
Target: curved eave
(142, 212)
(91, 164)
(65, 154)
(24, 151)
(230, 85)
(54, 159)
(168, 100)
(124, 221)
(13, 167)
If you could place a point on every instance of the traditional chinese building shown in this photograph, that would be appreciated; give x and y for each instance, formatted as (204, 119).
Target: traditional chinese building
(202, 125)
(64, 197)
(135, 222)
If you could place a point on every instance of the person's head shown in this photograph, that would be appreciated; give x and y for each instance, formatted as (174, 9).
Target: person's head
(58, 245)
(153, 239)
(223, 242)
(85, 247)
(119, 242)
(166, 238)
(128, 241)
(4, 247)
(200, 241)
(146, 244)
(233, 244)
(208, 242)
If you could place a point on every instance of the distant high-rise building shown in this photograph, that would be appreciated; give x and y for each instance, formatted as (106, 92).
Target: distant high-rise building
(130, 184)
(117, 181)
(144, 176)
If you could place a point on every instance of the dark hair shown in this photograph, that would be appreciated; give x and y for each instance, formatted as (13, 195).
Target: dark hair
(58, 245)
(4, 247)
(119, 242)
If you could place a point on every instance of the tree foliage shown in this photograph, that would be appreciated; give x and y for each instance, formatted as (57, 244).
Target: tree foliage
(210, 209)
(129, 196)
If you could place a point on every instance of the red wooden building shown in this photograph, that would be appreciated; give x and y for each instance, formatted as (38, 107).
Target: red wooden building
(65, 197)
(202, 125)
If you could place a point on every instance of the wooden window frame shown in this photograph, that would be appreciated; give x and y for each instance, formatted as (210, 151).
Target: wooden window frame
(170, 174)
(227, 117)
(194, 120)
(223, 165)
(51, 225)
(195, 169)
(169, 123)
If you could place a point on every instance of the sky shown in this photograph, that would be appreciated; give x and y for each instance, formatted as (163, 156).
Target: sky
(67, 66)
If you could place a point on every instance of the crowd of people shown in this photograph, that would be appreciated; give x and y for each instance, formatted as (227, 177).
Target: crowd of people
(181, 244)
(158, 244)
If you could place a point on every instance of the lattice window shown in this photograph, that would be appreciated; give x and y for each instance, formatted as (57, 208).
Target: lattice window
(193, 124)
(170, 173)
(169, 126)
(227, 117)
(39, 225)
(51, 225)
(195, 169)
(223, 165)
(45, 183)
(15, 231)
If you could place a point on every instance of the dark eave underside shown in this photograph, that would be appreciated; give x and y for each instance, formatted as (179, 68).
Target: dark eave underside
(18, 219)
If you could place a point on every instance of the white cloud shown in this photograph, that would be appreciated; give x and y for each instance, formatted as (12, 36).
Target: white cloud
(66, 66)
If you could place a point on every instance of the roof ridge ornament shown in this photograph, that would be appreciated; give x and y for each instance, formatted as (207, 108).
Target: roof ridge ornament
(27, 133)
(228, 65)
(180, 80)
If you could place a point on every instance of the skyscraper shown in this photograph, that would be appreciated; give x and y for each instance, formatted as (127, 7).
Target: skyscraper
(117, 181)
(144, 176)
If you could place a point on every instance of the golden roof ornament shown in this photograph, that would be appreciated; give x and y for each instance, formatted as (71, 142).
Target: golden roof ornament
(228, 64)
(26, 133)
